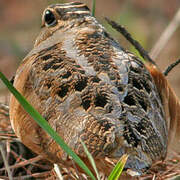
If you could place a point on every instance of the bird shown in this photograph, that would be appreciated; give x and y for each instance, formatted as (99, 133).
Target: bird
(88, 88)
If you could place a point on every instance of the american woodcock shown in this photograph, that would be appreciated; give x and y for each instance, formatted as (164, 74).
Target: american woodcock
(88, 88)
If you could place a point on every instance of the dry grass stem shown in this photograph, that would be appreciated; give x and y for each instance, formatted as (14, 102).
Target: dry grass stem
(24, 163)
(58, 172)
(166, 35)
(171, 66)
(5, 162)
(128, 36)
(4, 107)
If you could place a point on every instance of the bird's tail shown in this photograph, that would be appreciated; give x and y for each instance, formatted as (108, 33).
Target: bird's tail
(171, 105)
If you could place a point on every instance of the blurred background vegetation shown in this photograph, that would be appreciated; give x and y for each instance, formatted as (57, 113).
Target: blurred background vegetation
(145, 20)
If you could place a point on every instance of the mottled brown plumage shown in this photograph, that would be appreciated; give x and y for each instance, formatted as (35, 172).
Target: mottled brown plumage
(88, 88)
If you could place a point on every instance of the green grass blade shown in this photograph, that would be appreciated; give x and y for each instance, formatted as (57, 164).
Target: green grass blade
(44, 124)
(116, 172)
(93, 7)
(90, 159)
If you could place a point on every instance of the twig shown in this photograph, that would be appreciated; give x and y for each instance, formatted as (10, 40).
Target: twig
(18, 160)
(128, 36)
(171, 169)
(24, 163)
(9, 138)
(76, 170)
(47, 167)
(166, 35)
(154, 177)
(4, 178)
(171, 175)
(35, 175)
(5, 114)
(146, 177)
(5, 162)
(58, 172)
(4, 107)
(171, 66)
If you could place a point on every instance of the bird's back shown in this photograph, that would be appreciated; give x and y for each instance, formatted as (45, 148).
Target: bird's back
(89, 88)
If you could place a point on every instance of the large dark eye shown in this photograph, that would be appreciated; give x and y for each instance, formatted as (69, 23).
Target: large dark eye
(49, 18)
